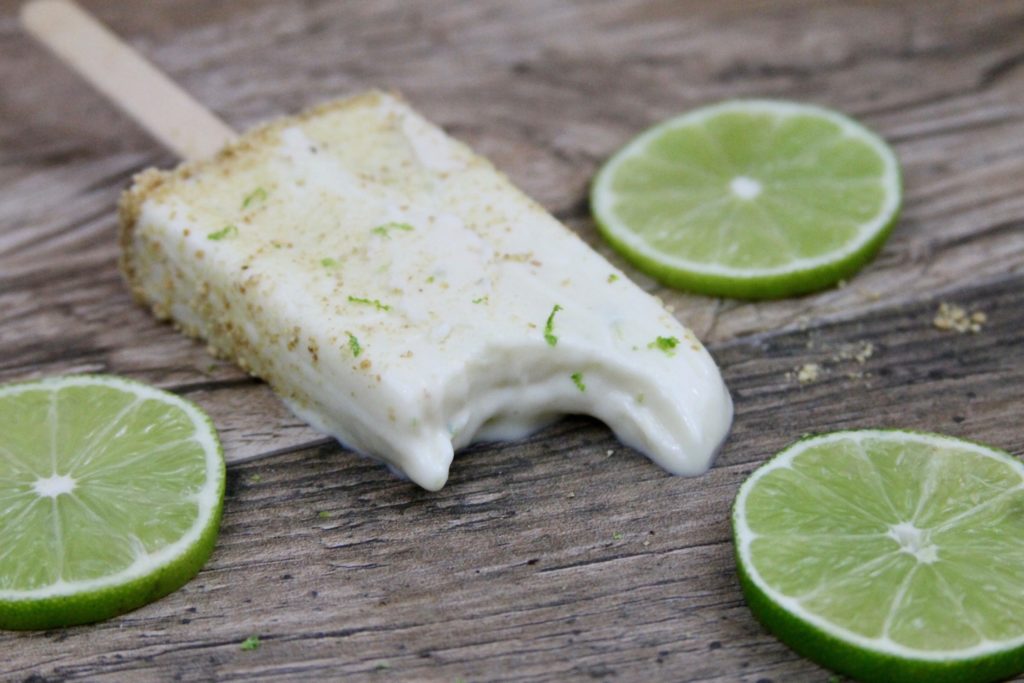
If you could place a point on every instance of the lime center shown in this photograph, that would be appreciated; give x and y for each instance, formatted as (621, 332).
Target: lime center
(744, 187)
(51, 487)
(913, 542)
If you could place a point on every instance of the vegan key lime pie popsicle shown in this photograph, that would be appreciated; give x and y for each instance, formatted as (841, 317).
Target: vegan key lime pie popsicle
(402, 296)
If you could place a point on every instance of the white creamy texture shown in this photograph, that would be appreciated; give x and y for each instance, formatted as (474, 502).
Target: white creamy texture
(395, 289)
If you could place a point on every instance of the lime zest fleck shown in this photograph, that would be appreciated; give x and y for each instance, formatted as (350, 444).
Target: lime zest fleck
(549, 327)
(369, 302)
(577, 379)
(385, 229)
(353, 343)
(612, 278)
(481, 300)
(430, 280)
(226, 231)
(257, 195)
(251, 643)
(328, 262)
(666, 344)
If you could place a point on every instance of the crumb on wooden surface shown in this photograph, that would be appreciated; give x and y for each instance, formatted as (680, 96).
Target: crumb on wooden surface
(808, 372)
(953, 318)
(860, 351)
(867, 350)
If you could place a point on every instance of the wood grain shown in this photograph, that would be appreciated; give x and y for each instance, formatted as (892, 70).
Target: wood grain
(548, 559)
(126, 79)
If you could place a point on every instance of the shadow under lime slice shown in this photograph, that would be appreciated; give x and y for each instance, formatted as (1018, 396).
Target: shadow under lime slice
(110, 497)
(888, 555)
(750, 198)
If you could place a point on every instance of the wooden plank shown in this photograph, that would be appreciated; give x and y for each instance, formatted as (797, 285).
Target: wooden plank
(549, 558)
(127, 79)
(977, 230)
(518, 579)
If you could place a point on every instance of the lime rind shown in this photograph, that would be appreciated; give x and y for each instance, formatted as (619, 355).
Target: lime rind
(798, 275)
(152, 574)
(837, 654)
(839, 648)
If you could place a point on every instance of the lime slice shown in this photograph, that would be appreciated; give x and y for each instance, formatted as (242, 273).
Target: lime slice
(110, 497)
(750, 198)
(888, 555)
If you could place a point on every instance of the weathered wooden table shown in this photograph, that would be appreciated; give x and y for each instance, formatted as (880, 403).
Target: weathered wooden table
(566, 556)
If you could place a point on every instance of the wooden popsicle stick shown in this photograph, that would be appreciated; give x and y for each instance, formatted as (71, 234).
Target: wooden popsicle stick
(170, 114)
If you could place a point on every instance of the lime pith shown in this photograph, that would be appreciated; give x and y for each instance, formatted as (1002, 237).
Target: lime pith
(110, 497)
(750, 198)
(888, 555)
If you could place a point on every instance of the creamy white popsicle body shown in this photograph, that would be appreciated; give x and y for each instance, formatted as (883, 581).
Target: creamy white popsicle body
(402, 296)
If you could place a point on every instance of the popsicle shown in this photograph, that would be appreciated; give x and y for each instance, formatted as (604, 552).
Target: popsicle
(402, 296)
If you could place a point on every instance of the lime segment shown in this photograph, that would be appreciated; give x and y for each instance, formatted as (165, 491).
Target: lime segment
(889, 555)
(110, 497)
(750, 198)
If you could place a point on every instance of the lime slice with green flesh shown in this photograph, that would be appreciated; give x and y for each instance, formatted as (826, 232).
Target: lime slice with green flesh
(110, 497)
(888, 555)
(750, 198)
